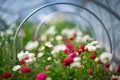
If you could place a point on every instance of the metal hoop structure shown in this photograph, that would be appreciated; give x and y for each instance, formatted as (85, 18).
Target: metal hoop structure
(60, 3)
(83, 18)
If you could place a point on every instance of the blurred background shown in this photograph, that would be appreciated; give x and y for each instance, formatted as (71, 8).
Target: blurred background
(12, 12)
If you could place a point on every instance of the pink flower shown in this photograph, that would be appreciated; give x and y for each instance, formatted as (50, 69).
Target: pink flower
(41, 76)
(47, 67)
(92, 57)
(107, 65)
(100, 62)
(6, 75)
(25, 70)
(68, 61)
(69, 48)
(73, 54)
(90, 71)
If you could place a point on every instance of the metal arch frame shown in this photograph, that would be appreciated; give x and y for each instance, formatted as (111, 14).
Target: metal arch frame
(89, 24)
(47, 5)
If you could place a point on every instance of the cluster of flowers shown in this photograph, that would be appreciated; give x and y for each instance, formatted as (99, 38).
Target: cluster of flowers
(72, 50)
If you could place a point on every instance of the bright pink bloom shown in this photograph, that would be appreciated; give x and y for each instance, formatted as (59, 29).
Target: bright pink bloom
(25, 70)
(107, 65)
(68, 61)
(73, 54)
(41, 76)
(92, 57)
(90, 71)
(69, 48)
(6, 75)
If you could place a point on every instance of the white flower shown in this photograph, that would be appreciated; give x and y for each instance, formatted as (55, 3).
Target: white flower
(86, 38)
(40, 54)
(49, 58)
(17, 67)
(58, 37)
(96, 59)
(76, 59)
(48, 78)
(31, 57)
(51, 30)
(43, 37)
(30, 60)
(75, 64)
(59, 47)
(92, 46)
(105, 57)
(113, 67)
(48, 44)
(22, 55)
(68, 32)
(31, 45)
(41, 48)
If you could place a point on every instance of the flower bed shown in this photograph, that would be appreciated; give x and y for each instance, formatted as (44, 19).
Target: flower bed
(62, 53)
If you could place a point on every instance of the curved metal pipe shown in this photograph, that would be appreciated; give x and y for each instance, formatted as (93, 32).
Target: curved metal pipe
(65, 3)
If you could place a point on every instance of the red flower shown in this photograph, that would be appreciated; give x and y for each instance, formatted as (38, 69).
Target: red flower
(94, 53)
(68, 61)
(71, 38)
(118, 68)
(25, 70)
(69, 48)
(92, 57)
(100, 62)
(6, 75)
(81, 49)
(90, 71)
(107, 65)
(23, 61)
(41, 76)
(114, 78)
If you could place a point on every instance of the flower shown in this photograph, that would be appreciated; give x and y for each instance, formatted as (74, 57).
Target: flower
(90, 71)
(92, 57)
(107, 65)
(6, 75)
(17, 67)
(68, 61)
(25, 70)
(113, 67)
(118, 69)
(75, 64)
(41, 76)
(105, 57)
(48, 44)
(51, 30)
(47, 67)
(76, 59)
(86, 38)
(31, 45)
(49, 58)
(81, 49)
(92, 46)
(58, 37)
(69, 48)
(40, 55)
(73, 54)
